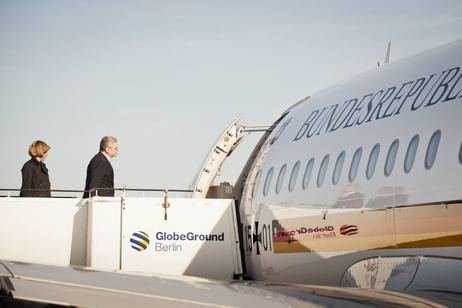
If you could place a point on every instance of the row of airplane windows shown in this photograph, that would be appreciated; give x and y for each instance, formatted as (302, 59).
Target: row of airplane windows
(430, 156)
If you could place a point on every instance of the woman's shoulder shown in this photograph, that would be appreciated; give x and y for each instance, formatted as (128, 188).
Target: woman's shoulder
(29, 164)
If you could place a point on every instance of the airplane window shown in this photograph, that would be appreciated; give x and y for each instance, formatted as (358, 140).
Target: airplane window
(294, 175)
(338, 168)
(391, 157)
(410, 153)
(307, 175)
(355, 164)
(323, 170)
(460, 153)
(432, 149)
(372, 163)
(268, 178)
(280, 181)
(256, 183)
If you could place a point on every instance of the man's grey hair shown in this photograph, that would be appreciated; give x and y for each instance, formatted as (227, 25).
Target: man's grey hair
(107, 142)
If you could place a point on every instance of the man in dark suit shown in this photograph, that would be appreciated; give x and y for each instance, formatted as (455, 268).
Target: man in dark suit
(99, 171)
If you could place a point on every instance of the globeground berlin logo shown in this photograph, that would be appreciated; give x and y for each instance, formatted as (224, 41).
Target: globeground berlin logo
(348, 230)
(139, 241)
(170, 241)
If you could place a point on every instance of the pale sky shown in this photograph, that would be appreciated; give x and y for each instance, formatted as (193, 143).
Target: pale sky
(167, 77)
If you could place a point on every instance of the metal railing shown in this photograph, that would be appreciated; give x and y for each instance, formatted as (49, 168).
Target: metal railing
(94, 190)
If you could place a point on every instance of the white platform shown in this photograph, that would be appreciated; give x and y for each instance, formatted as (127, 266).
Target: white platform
(199, 236)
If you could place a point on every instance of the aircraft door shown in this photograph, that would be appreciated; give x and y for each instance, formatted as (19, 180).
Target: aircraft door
(225, 144)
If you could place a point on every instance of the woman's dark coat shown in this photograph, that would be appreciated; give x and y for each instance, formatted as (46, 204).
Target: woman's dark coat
(35, 176)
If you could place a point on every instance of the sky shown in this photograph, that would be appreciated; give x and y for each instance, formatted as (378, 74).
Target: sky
(167, 77)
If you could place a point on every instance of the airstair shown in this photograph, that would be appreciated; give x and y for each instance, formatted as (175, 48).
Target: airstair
(169, 234)
(164, 235)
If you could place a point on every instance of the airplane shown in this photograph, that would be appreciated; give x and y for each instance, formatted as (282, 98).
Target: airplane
(359, 185)
(354, 186)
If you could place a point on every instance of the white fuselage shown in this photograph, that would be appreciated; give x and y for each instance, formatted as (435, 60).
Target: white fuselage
(384, 177)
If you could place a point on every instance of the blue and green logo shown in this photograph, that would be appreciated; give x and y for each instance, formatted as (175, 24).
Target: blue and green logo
(139, 241)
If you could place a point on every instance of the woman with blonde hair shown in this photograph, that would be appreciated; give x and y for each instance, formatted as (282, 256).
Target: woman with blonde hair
(35, 180)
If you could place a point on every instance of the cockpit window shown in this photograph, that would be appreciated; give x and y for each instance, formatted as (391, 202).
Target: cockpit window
(281, 176)
(432, 149)
(391, 157)
(338, 168)
(294, 176)
(355, 164)
(281, 129)
(307, 175)
(372, 163)
(410, 153)
(269, 177)
(322, 170)
(256, 183)
(460, 153)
